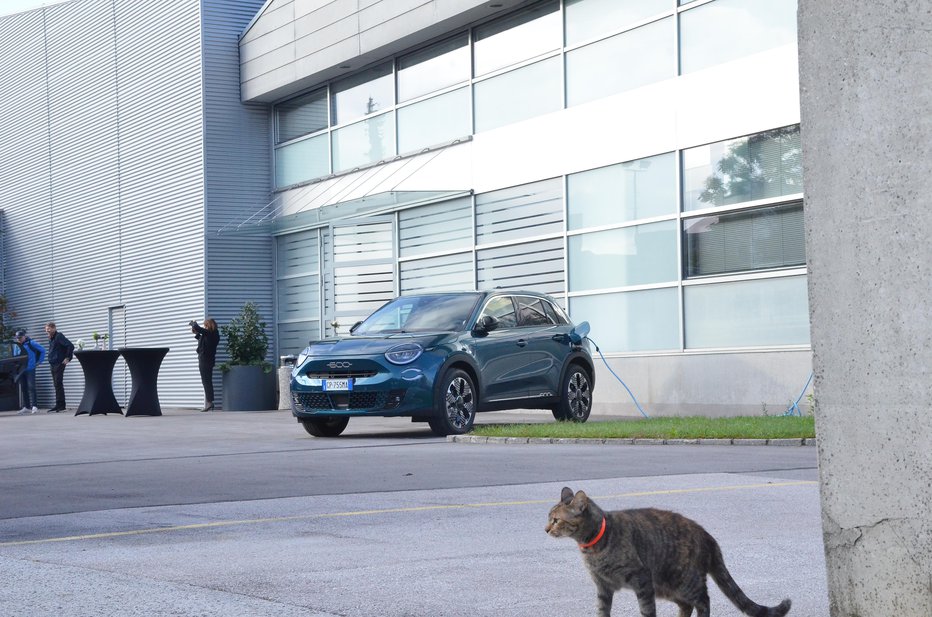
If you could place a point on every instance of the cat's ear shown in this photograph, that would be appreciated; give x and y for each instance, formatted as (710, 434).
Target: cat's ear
(566, 495)
(581, 500)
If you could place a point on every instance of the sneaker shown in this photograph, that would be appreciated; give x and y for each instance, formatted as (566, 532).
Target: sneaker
(53, 410)
(34, 410)
(23, 411)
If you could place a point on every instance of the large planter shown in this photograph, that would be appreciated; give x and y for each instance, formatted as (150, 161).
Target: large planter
(248, 388)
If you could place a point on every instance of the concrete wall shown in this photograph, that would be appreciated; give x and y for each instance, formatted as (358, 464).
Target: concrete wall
(866, 96)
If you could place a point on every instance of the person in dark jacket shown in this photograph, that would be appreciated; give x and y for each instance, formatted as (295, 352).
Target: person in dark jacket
(61, 352)
(35, 354)
(208, 338)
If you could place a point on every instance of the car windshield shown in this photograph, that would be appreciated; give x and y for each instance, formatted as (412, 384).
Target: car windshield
(444, 312)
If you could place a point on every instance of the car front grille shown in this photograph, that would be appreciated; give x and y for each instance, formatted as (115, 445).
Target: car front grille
(322, 401)
(351, 374)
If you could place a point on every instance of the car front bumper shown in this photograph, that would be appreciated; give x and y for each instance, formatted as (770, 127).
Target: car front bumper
(378, 388)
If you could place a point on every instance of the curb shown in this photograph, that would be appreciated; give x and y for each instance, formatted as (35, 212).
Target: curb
(473, 439)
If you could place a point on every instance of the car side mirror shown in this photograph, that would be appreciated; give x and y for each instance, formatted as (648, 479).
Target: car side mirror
(579, 333)
(486, 323)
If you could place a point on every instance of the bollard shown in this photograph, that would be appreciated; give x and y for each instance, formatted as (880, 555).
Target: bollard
(284, 381)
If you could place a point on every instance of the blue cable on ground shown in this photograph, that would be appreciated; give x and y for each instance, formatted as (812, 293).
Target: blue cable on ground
(793, 409)
(631, 394)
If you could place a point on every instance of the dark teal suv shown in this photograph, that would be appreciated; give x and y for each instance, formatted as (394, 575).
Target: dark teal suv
(441, 357)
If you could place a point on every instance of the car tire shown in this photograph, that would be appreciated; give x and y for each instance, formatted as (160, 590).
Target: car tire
(455, 408)
(325, 427)
(575, 396)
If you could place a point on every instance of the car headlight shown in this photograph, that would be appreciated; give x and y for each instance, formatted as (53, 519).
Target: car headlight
(404, 354)
(301, 358)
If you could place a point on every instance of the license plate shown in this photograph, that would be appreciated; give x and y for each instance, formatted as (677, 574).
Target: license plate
(338, 385)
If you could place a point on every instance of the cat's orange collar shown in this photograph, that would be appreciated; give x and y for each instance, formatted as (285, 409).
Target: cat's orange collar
(597, 537)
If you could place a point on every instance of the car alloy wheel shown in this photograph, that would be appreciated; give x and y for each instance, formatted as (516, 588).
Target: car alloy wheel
(460, 402)
(457, 405)
(576, 400)
(578, 396)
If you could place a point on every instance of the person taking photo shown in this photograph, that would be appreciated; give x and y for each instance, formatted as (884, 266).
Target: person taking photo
(208, 337)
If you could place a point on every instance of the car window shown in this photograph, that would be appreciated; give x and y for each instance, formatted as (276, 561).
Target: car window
(531, 312)
(445, 312)
(560, 314)
(502, 309)
(556, 313)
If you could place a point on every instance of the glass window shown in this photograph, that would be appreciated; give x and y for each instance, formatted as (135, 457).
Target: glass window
(434, 68)
(519, 36)
(767, 164)
(532, 312)
(726, 30)
(618, 320)
(518, 95)
(520, 212)
(362, 94)
(434, 121)
(502, 309)
(589, 19)
(747, 313)
(449, 272)
(297, 253)
(638, 255)
(749, 240)
(302, 161)
(534, 266)
(620, 193)
(301, 116)
(365, 142)
(623, 62)
(443, 226)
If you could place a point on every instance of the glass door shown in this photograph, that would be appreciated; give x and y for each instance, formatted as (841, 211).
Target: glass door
(363, 267)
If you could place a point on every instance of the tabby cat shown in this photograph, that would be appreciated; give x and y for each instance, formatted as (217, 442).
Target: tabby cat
(658, 554)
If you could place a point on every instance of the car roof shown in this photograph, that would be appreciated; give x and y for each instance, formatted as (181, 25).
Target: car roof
(483, 293)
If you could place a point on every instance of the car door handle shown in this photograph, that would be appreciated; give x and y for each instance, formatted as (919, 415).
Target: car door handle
(521, 342)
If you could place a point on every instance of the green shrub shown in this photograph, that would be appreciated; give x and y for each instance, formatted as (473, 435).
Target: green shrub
(246, 340)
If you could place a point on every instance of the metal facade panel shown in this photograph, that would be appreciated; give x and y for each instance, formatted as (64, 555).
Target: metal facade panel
(237, 151)
(161, 183)
(104, 187)
(281, 58)
(84, 165)
(25, 189)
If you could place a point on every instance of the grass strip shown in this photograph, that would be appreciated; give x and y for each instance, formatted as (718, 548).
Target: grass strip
(693, 427)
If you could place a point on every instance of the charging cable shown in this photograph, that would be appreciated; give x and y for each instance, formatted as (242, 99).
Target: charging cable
(631, 394)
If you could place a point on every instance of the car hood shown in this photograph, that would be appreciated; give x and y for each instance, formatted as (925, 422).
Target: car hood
(368, 345)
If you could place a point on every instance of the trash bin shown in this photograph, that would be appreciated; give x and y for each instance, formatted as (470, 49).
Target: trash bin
(284, 381)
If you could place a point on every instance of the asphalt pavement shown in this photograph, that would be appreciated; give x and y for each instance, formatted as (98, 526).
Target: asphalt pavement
(232, 513)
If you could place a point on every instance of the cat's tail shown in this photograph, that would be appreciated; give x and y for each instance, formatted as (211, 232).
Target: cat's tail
(729, 587)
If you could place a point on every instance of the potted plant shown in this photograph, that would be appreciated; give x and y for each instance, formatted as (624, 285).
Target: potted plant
(248, 380)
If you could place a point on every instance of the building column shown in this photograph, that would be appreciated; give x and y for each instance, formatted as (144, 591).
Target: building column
(866, 99)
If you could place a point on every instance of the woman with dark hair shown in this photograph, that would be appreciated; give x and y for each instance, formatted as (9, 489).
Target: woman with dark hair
(208, 338)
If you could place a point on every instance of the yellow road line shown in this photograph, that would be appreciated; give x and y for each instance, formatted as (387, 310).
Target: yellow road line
(304, 517)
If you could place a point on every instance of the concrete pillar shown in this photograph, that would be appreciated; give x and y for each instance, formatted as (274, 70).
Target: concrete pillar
(866, 98)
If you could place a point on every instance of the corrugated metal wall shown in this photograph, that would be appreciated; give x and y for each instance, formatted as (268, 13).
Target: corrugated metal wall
(237, 152)
(25, 183)
(103, 105)
(161, 183)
